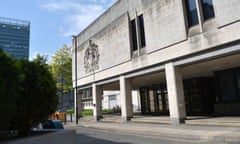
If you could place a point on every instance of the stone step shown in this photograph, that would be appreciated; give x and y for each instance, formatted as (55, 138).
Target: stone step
(213, 123)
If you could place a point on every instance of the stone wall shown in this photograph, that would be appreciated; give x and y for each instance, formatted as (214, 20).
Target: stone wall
(227, 11)
(164, 23)
(166, 32)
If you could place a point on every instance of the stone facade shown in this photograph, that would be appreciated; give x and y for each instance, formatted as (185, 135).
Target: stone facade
(170, 44)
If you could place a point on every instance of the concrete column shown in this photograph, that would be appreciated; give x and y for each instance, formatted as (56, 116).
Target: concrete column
(97, 102)
(175, 94)
(126, 99)
(77, 105)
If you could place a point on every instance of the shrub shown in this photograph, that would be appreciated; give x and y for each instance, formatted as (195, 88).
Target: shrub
(117, 109)
(27, 94)
(87, 112)
(70, 111)
(107, 110)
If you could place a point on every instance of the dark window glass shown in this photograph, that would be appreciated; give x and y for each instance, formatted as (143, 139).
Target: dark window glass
(142, 31)
(238, 82)
(208, 11)
(227, 86)
(192, 12)
(134, 35)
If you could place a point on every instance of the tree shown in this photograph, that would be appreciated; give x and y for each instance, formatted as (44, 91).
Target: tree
(27, 94)
(41, 59)
(9, 88)
(37, 98)
(61, 68)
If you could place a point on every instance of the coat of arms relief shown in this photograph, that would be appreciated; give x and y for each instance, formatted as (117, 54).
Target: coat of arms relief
(91, 58)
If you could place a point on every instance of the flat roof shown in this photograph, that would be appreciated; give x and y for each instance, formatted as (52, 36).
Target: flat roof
(13, 21)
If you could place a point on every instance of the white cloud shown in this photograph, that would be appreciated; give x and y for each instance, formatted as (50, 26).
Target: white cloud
(78, 14)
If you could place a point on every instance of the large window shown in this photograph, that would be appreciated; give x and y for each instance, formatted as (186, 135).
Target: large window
(229, 85)
(138, 33)
(142, 31)
(208, 11)
(193, 11)
(134, 35)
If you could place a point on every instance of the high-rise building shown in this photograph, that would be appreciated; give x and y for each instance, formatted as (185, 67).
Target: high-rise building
(14, 37)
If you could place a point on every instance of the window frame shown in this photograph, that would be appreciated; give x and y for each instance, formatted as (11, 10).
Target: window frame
(200, 13)
(137, 31)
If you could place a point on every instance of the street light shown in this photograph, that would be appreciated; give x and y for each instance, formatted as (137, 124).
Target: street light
(75, 52)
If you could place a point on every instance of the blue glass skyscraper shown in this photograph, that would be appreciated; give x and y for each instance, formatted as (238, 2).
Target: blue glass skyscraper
(14, 37)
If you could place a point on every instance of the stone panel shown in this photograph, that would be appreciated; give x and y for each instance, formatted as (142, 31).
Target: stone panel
(113, 46)
(226, 11)
(114, 43)
(164, 23)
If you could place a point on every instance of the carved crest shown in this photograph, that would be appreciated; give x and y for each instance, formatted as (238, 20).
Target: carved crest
(91, 57)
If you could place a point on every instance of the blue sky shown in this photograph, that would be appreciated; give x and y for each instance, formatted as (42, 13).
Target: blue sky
(53, 21)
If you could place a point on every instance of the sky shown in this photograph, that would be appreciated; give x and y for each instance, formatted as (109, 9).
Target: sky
(53, 22)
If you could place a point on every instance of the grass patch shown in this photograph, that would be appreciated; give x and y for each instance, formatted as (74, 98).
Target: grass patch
(107, 111)
(70, 111)
(87, 112)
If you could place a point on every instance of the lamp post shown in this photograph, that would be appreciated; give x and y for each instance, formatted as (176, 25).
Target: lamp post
(75, 52)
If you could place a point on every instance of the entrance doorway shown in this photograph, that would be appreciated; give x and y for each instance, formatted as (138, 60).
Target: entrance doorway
(154, 100)
(200, 95)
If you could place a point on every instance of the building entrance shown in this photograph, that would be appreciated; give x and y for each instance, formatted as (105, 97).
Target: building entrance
(200, 95)
(154, 100)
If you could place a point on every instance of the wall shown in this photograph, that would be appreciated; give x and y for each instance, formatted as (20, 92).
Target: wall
(164, 23)
(166, 36)
(113, 45)
(226, 11)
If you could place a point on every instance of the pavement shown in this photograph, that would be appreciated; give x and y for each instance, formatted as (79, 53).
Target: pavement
(224, 130)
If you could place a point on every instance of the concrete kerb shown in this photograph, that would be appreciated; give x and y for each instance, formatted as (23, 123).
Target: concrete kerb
(167, 132)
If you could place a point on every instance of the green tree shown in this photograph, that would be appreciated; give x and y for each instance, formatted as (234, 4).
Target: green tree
(61, 69)
(9, 88)
(37, 98)
(41, 59)
(27, 94)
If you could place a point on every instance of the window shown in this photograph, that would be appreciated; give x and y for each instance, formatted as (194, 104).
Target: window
(112, 97)
(142, 31)
(138, 33)
(228, 85)
(134, 35)
(205, 7)
(192, 13)
(208, 11)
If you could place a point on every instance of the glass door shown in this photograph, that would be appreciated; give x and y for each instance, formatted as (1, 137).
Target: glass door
(161, 99)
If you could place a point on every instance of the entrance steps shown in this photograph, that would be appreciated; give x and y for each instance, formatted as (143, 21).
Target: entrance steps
(191, 120)
(214, 121)
(151, 119)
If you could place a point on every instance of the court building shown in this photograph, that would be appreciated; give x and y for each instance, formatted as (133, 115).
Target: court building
(182, 56)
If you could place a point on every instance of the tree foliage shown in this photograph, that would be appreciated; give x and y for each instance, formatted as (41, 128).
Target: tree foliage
(27, 94)
(41, 59)
(9, 88)
(61, 69)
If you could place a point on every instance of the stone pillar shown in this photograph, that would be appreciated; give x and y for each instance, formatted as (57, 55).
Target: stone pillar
(97, 102)
(126, 99)
(79, 104)
(175, 94)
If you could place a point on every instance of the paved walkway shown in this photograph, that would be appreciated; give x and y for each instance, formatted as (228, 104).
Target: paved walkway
(226, 134)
